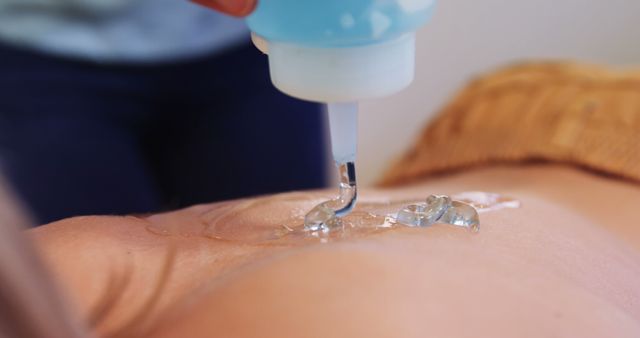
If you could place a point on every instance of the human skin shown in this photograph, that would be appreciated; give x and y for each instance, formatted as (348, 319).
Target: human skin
(238, 8)
(567, 263)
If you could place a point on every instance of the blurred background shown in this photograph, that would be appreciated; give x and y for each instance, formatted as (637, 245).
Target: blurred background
(138, 106)
(120, 106)
(468, 38)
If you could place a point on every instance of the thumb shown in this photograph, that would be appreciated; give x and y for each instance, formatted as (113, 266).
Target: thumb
(231, 7)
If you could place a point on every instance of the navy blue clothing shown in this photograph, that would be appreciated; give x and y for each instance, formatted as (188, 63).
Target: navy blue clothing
(81, 138)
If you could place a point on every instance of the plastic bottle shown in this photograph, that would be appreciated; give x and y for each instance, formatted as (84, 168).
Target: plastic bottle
(339, 50)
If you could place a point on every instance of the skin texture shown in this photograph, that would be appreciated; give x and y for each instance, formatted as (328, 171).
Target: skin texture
(564, 264)
(238, 8)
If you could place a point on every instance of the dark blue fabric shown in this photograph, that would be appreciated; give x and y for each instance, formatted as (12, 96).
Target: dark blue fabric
(81, 138)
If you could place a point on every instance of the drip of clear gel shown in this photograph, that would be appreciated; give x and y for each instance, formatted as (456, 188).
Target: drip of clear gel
(462, 211)
(279, 220)
(439, 209)
(343, 123)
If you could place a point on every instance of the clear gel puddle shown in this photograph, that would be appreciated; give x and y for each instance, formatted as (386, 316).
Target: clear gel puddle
(280, 219)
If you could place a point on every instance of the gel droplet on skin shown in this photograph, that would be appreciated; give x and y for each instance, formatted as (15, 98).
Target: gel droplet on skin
(462, 215)
(321, 218)
(424, 214)
(280, 219)
(486, 201)
(440, 209)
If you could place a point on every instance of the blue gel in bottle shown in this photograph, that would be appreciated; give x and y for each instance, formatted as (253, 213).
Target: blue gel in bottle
(338, 23)
(340, 50)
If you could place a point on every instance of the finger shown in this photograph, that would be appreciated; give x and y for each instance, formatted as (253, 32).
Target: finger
(231, 7)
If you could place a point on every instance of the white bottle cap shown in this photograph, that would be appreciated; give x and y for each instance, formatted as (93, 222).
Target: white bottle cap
(343, 73)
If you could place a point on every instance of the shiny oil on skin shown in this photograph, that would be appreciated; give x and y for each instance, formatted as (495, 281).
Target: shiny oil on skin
(280, 219)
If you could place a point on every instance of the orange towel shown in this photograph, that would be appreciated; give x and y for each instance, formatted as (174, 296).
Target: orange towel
(583, 115)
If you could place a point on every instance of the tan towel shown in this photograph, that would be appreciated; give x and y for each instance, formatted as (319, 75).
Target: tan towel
(584, 115)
